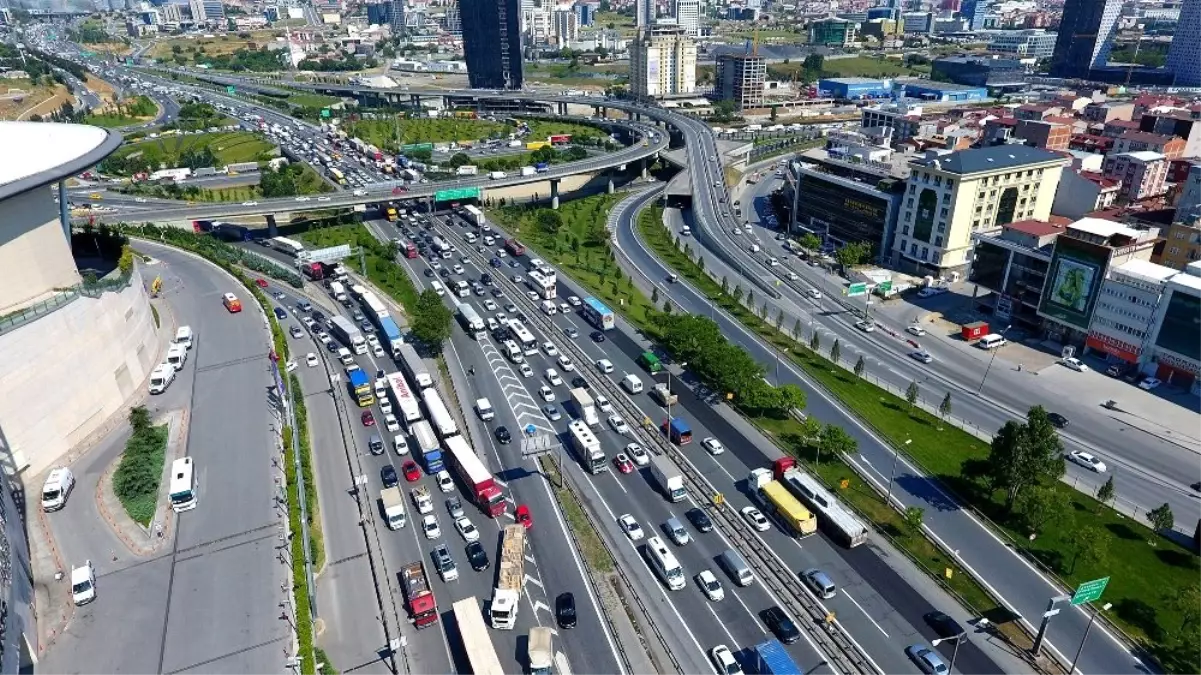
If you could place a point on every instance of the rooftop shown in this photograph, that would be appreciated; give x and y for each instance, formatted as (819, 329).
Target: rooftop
(1145, 136)
(49, 152)
(1104, 228)
(995, 158)
(853, 80)
(1143, 155)
(931, 85)
(1040, 228)
(1147, 270)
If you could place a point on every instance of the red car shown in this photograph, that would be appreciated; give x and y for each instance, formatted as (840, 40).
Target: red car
(411, 472)
(261, 283)
(623, 463)
(523, 516)
(367, 418)
(399, 190)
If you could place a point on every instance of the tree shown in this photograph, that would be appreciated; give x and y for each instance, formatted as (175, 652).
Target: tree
(1041, 505)
(774, 114)
(431, 320)
(815, 342)
(655, 295)
(809, 430)
(812, 66)
(944, 408)
(810, 241)
(139, 417)
(911, 394)
(796, 330)
(667, 306)
(913, 519)
(1023, 455)
(750, 298)
(836, 351)
(860, 366)
(835, 441)
(700, 261)
(1161, 518)
(1088, 546)
(1105, 493)
(549, 220)
(853, 254)
(458, 159)
(737, 294)
(1185, 601)
(763, 311)
(779, 319)
(725, 286)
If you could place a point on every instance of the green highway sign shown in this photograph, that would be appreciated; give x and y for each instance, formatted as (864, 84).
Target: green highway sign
(231, 90)
(1090, 591)
(884, 287)
(417, 147)
(456, 194)
(857, 289)
(325, 112)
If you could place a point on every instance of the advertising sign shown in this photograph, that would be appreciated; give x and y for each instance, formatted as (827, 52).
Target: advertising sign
(1073, 282)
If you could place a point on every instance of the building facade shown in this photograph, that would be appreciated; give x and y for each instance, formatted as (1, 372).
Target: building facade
(1176, 356)
(1188, 205)
(662, 62)
(739, 78)
(978, 72)
(1182, 245)
(1125, 312)
(1143, 174)
(1013, 264)
(566, 27)
(1171, 147)
(854, 87)
(492, 43)
(1024, 44)
(833, 32)
(951, 196)
(1085, 37)
(1184, 55)
(1081, 193)
(688, 16)
(943, 92)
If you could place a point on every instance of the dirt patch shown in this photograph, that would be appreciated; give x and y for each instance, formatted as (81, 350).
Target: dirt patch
(102, 89)
(42, 101)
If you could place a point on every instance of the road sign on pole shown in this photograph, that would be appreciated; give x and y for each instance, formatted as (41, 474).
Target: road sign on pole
(231, 90)
(857, 289)
(1089, 591)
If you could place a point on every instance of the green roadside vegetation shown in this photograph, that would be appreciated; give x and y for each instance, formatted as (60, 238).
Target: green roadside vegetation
(1078, 537)
(391, 134)
(194, 151)
(582, 530)
(307, 100)
(288, 181)
(124, 113)
(139, 474)
(312, 509)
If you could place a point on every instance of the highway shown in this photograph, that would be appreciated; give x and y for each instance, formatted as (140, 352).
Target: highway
(210, 600)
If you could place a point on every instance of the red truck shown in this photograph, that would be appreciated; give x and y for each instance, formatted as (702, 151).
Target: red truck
(472, 473)
(314, 271)
(514, 247)
(423, 610)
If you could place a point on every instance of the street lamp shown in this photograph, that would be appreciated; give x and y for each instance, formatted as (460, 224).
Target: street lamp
(896, 455)
(667, 398)
(994, 358)
(954, 652)
(1104, 608)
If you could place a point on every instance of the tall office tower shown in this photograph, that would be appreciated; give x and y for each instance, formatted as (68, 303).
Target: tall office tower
(1085, 38)
(1184, 56)
(197, 8)
(397, 16)
(450, 20)
(492, 43)
(688, 16)
(566, 27)
(644, 12)
(662, 62)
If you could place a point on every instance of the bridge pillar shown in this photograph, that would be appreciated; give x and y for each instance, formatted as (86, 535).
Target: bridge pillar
(610, 188)
(563, 109)
(604, 112)
(272, 228)
(554, 193)
(645, 168)
(64, 210)
(415, 100)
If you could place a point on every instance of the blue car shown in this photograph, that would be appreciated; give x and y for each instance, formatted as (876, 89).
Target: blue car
(495, 262)
(280, 313)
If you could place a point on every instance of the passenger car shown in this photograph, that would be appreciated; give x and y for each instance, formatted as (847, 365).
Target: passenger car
(943, 625)
(1073, 363)
(429, 525)
(477, 556)
(444, 563)
(710, 586)
(756, 518)
(700, 520)
(926, 659)
(778, 622)
(1086, 460)
(713, 445)
(387, 474)
(411, 471)
(367, 418)
(619, 425)
(623, 463)
(638, 454)
(503, 435)
(631, 527)
(921, 355)
(467, 530)
(724, 659)
(565, 613)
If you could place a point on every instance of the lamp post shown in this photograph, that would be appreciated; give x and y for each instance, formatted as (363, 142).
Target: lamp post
(896, 455)
(954, 652)
(990, 361)
(1104, 608)
(667, 399)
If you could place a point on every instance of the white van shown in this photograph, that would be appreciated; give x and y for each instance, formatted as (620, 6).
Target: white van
(754, 248)
(400, 445)
(549, 308)
(161, 377)
(685, 231)
(462, 288)
(991, 341)
(631, 383)
(483, 408)
(183, 336)
(437, 286)
(177, 355)
(58, 485)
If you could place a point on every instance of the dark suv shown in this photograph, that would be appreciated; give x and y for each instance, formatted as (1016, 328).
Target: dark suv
(477, 556)
(779, 623)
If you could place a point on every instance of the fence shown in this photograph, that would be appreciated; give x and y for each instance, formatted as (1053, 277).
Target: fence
(114, 282)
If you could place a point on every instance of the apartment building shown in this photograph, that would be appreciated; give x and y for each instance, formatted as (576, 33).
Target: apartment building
(662, 62)
(1171, 147)
(1024, 44)
(1081, 193)
(1143, 174)
(1182, 244)
(1185, 123)
(1176, 351)
(739, 78)
(1124, 316)
(1013, 264)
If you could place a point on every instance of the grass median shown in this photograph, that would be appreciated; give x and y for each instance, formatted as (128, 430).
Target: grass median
(582, 530)
(388, 275)
(1141, 564)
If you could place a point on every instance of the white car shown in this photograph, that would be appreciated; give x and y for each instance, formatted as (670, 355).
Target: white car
(565, 363)
(546, 393)
(525, 370)
(308, 322)
(467, 530)
(638, 454)
(756, 518)
(713, 445)
(619, 425)
(552, 376)
(793, 276)
(490, 305)
(724, 659)
(429, 525)
(549, 348)
(710, 586)
(814, 293)
(445, 482)
(605, 366)
(1149, 383)
(1074, 364)
(378, 352)
(631, 527)
(250, 203)
(391, 424)
(865, 326)
(573, 300)
(312, 360)
(915, 329)
(385, 405)
(603, 403)
(1087, 460)
(324, 338)
(83, 583)
(457, 269)
(302, 199)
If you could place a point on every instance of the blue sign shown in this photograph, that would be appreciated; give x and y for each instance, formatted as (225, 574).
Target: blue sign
(530, 429)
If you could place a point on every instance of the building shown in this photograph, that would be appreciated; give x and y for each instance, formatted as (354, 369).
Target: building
(833, 32)
(662, 62)
(1176, 351)
(929, 90)
(1024, 44)
(1188, 205)
(1143, 174)
(1081, 261)
(565, 27)
(917, 23)
(1124, 315)
(1045, 135)
(979, 72)
(951, 196)
(1085, 37)
(1084, 192)
(1178, 122)
(379, 13)
(1171, 147)
(1012, 264)
(739, 78)
(905, 121)
(848, 192)
(492, 43)
(536, 26)
(854, 88)
(688, 16)
(585, 13)
(1182, 245)
(1184, 55)
(1101, 113)
(214, 10)
(886, 31)
(644, 13)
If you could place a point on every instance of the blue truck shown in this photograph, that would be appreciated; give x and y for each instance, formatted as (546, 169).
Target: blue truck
(772, 659)
(542, 167)
(678, 431)
(391, 334)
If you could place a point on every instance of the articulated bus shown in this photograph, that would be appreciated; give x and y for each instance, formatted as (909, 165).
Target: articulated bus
(183, 485)
(289, 246)
(523, 337)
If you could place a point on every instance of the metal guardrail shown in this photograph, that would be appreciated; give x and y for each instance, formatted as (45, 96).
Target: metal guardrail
(770, 569)
(87, 289)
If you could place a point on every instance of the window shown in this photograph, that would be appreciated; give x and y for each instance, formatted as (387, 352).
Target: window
(942, 227)
(925, 252)
(1175, 250)
(1180, 234)
(946, 197)
(913, 250)
(943, 212)
(938, 181)
(909, 203)
(938, 241)
(937, 257)
(905, 230)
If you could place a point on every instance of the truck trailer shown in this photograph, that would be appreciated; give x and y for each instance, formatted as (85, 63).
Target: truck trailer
(472, 473)
(777, 499)
(585, 407)
(678, 431)
(510, 579)
(668, 477)
(427, 442)
(348, 333)
(771, 658)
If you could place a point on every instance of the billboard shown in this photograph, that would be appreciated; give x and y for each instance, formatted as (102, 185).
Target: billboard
(1073, 282)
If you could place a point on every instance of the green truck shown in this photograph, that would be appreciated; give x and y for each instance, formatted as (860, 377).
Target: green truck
(649, 361)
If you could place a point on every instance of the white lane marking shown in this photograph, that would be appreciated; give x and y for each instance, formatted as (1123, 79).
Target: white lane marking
(709, 606)
(861, 609)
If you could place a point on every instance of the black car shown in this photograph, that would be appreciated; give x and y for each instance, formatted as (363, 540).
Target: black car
(387, 474)
(943, 625)
(1058, 420)
(781, 625)
(497, 293)
(477, 556)
(429, 272)
(280, 313)
(444, 273)
(579, 382)
(367, 327)
(318, 317)
(332, 347)
(565, 610)
(486, 279)
(495, 262)
(700, 520)
(503, 435)
(598, 336)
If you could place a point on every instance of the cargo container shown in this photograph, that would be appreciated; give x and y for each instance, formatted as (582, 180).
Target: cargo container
(474, 476)
(777, 499)
(510, 579)
(771, 658)
(427, 442)
(467, 170)
(668, 477)
(974, 330)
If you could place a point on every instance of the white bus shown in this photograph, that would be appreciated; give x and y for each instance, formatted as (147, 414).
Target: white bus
(542, 284)
(665, 564)
(440, 417)
(183, 485)
(589, 447)
(289, 246)
(477, 642)
(523, 337)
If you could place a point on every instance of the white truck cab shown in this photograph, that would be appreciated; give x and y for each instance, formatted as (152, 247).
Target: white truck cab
(161, 377)
(177, 355)
(56, 488)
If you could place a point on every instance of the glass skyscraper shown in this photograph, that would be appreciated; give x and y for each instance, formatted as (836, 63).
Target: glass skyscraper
(492, 43)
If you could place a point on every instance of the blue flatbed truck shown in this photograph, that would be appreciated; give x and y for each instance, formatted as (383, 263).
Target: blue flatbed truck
(771, 658)
(678, 431)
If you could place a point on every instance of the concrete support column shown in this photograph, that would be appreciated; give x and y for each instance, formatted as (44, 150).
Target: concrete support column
(272, 228)
(610, 189)
(563, 109)
(644, 166)
(554, 193)
(604, 112)
(415, 100)
(64, 211)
